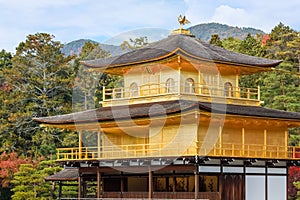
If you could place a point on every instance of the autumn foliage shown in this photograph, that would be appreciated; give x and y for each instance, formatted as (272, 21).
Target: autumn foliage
(9, 164)
(294, 177)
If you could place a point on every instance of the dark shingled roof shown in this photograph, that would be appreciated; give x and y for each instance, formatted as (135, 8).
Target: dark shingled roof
(180, 44)
(67, 174)
(162, 108)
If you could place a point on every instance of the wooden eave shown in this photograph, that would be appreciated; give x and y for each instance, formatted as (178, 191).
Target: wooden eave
(242, 69)
(176, 112)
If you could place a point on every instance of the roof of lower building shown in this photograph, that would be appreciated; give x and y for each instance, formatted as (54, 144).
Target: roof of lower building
(147, 110)
(67, 174)
(184, 45)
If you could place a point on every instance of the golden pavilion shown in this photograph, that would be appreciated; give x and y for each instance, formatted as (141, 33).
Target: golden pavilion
(180, 127)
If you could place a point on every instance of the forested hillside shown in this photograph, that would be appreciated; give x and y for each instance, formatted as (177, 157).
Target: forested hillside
(201, 31)
(40, 80)
(204, 31)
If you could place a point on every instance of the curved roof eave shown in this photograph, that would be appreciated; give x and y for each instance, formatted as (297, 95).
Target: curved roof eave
(178, 51)
(175, 44)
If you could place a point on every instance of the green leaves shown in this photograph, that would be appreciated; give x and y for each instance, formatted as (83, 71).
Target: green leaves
(40, 80)
(29, 181)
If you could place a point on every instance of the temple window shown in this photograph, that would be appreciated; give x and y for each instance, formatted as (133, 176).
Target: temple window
(170, 85)
(228, 89)
(189, 86)
(134, 90)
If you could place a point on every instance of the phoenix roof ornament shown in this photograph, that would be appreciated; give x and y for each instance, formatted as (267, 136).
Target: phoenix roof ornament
(183, 20)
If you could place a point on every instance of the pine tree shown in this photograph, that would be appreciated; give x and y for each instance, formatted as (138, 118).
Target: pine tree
(29, 182)
(40, 81)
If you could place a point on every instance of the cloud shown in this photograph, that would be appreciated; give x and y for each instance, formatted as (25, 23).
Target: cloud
(264, 15)
(69, 20)
(228, 15)
(76, 19)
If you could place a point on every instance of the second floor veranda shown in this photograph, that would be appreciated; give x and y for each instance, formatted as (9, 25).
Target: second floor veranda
(160, 150)
(155, 92)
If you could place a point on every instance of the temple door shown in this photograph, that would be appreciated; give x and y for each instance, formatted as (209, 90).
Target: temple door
(232, 187)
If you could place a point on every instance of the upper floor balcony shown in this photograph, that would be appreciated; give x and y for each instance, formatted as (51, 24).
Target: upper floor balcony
(173, 91)
(159, 150)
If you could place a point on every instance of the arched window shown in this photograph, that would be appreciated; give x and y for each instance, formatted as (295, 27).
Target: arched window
(189, 86)
(228, 89)
(170, 85)
(134, 90)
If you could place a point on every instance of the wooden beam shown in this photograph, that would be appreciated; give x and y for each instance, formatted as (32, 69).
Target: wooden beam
(80, 144)
(178, 81)
(59, 189)
(286, 135)
(220, 140)
(243, 141)
(99, 189)
(99, 144)
(196, 183)
(122, 183)
(150, 183)
(79, 187)
(265, 143)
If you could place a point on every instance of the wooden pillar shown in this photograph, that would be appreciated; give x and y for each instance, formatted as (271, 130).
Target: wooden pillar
(266, 183)
(286, 135)
(103, 93)
(80, 144)
(99, 144)
(258, 93)
(59, 189)
(79, 186)
(236, 80)
(161, 86)
(179, 81)
(99, 186)
(199, 83)
(244, 182)
(265, 143)
(287, 182)
(150, 183)
(220, 140)
(196, 182)
(122, 184)
(237, 89)
(84, 186)
(243, 141)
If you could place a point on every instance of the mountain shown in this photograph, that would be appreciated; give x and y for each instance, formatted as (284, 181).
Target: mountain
(74, 47)
(204, 31)
(201, 31)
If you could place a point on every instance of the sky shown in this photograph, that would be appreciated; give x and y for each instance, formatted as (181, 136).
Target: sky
(100, 20)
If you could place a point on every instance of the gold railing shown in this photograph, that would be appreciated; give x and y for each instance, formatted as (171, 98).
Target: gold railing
(163, 150)
(147, 90)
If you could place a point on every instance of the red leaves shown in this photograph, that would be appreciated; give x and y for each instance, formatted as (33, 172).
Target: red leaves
(294, 176)
(9, 164)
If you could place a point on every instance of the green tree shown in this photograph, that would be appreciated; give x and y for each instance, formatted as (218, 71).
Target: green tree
(134, 43)
(89, 85)
(5, 59)
(295, 47)
(41, 81)
(25, 184)
(231, 44)
(251, 46)
(216, 40)
(280, 89)
(29, 182)
(5, 88)
(277, 46)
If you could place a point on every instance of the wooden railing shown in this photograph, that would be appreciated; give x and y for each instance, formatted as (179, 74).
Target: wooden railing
(147, 90)
(163, 150)
(162, 195)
